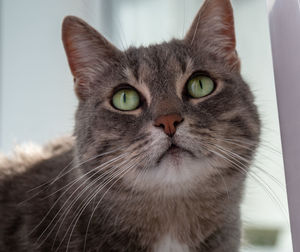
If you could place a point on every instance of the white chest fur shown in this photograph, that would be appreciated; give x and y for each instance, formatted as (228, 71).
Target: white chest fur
(169, 244)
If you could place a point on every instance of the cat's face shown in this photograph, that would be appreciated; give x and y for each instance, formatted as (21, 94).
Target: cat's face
(167, 117)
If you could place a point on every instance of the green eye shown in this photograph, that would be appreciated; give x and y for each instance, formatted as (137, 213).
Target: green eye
(126, 99)
(200, 86)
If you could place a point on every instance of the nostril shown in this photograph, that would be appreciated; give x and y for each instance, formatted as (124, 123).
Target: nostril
(162, 126)
(178, 122)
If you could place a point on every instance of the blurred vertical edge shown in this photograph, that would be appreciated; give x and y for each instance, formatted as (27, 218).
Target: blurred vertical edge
(1, 58)
(284, 19)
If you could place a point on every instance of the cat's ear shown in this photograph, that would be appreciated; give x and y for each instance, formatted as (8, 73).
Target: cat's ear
(213, 29)
(87, 51)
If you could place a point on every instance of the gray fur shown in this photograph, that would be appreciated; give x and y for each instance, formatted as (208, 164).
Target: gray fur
(108, 176)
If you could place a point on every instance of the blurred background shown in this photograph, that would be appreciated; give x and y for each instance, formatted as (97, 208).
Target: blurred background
(37, 102)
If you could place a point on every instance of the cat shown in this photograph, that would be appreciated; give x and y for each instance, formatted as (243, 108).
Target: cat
(164, 137)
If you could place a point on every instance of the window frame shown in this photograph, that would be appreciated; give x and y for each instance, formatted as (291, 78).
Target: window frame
(286, 62)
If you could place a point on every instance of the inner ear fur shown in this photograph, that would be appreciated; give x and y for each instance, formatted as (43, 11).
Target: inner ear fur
(213, 30)
(88, 52)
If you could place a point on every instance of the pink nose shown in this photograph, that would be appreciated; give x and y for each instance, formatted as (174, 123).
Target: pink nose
(168, 123)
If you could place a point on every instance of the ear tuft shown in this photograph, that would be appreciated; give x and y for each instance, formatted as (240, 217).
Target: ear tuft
(213, 30)
(88, 52)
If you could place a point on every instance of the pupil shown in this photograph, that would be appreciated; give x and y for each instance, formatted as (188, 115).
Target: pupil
(200, 84)
(124, 97)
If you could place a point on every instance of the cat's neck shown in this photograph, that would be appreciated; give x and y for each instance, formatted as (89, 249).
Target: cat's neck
(186, 220)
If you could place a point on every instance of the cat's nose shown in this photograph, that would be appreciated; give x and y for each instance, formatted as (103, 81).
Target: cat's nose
(168, 123)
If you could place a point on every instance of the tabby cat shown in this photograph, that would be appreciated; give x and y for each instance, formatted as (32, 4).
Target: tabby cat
(157, 161)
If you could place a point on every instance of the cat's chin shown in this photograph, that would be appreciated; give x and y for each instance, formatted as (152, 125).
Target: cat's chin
(178, 172)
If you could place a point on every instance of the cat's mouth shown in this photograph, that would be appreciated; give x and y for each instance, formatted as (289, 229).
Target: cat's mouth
(173, 149)
(175, 152)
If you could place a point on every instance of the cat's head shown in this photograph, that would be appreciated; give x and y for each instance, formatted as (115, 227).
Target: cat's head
(174, 115)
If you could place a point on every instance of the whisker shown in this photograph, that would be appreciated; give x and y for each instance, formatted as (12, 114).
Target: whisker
(223, 179)
(68, 209)
(254, 176)
(250, 163)
(97, 156)
(102, 167)
(144, 169)
(84, 162)
(78, 197)
(71, 183)
(251, 143)
(60, 175)
(126, 170)
(84, 175)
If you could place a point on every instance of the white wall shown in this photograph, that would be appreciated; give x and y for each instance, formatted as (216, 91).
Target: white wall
(37, 100)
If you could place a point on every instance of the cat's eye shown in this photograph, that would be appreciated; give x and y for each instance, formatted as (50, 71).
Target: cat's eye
(200, 86)
(126, 99)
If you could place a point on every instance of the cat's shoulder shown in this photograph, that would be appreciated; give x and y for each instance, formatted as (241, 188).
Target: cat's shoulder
(26, 156)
